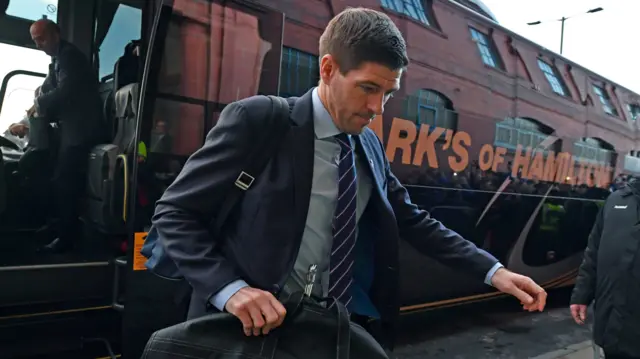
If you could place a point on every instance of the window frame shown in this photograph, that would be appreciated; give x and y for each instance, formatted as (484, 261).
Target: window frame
(425, 17)
(553, 77)
(605, 100)
(286, 89)
(484, 43)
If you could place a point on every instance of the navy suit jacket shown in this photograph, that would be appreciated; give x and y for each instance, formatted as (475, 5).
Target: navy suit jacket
(262, 236)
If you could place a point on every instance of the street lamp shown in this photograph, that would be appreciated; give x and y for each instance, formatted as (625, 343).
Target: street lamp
(563, 20)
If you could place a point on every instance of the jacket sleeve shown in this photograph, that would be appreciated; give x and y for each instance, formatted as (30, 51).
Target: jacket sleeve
(583, 291)
(68, 77)
(432, 238)
(184, 214)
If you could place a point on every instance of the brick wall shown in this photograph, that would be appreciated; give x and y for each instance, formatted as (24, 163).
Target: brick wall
(444, 58)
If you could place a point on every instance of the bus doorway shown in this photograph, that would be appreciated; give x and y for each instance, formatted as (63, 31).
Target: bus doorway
(61, 300)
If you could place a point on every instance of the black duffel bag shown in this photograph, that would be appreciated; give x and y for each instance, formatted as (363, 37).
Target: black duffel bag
(309, 331)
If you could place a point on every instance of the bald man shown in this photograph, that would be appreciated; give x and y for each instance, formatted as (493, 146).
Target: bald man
(71, 99)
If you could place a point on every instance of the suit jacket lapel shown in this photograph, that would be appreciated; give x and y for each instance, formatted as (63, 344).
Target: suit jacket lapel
(303, 140)
(368, 155)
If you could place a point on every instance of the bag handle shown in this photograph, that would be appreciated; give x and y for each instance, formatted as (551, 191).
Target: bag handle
(293, 304)
(260, 156)
(343, 347)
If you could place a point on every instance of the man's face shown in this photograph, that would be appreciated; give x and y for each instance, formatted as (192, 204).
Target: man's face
(46, 41)
(356, 98)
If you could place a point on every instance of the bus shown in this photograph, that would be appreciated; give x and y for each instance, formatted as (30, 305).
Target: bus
(166, 69)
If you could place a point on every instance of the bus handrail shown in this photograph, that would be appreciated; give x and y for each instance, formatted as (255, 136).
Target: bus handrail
(5, 81)
(123, 158)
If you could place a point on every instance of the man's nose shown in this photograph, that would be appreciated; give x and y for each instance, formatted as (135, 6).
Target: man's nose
(376, 103)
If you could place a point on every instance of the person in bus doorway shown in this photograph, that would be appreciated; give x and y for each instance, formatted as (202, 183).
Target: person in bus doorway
(338, 207)
(73, 101)
(609, 275)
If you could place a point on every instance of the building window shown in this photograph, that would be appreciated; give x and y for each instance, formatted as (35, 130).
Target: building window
(428, 107)
(412, 8)
(592, 150)
(552, 77)
(522, 131)
(299, 71)
(607, 106)
(634, 110)
(486, 48)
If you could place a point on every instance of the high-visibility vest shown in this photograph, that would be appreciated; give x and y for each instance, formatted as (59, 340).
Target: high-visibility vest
(142, 150)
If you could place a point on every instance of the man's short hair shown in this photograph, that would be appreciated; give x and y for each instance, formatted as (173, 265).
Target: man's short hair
(359, 35)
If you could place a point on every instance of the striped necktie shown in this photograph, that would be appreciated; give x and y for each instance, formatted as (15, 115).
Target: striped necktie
(344, 225)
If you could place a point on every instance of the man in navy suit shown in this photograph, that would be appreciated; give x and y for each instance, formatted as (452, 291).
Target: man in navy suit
(327, 197)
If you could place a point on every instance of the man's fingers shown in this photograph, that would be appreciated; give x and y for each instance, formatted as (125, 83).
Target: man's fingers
(258, 310)
(280, 310)
(247, 323)
(521, 295)
(256, 317)
(582, 312)
(574, 314)
(270, 316)
(540, 299)
(579, 313)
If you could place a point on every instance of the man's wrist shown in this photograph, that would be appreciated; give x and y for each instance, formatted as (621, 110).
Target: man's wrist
(222, 297)
(489, 277)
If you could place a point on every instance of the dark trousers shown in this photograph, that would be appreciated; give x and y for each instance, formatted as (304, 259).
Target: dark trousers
(69, 180)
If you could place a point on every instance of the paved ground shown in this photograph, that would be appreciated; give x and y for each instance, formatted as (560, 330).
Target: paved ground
(584, 350)
(497, 330)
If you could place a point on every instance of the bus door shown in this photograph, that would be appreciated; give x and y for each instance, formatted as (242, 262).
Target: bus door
(45, 290)
(202, 55)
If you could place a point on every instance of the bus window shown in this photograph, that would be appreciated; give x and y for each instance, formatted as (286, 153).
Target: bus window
(18, 96)
(117, 25)
(34, 9)
(195, 82)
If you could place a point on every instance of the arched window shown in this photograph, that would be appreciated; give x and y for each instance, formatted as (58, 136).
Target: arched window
(594, 150)
(429, 107)
(526, 132)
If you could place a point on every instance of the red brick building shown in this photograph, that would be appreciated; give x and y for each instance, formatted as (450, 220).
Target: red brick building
(468, 73)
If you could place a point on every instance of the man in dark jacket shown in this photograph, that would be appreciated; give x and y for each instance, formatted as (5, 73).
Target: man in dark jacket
(71, 98)
(610, 275)
(330, 183)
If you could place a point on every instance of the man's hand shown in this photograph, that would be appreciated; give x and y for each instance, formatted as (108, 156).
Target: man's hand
(579, 313)
(31, 112)
(531, 295)
(18, 129)
(259, 311)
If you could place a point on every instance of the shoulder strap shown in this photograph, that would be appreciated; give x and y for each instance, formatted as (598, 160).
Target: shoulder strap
(260, 156)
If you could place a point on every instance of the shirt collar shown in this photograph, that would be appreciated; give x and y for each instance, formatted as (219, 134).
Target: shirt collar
(322, 121)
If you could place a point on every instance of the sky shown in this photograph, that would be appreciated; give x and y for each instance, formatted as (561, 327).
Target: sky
(605, 42)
